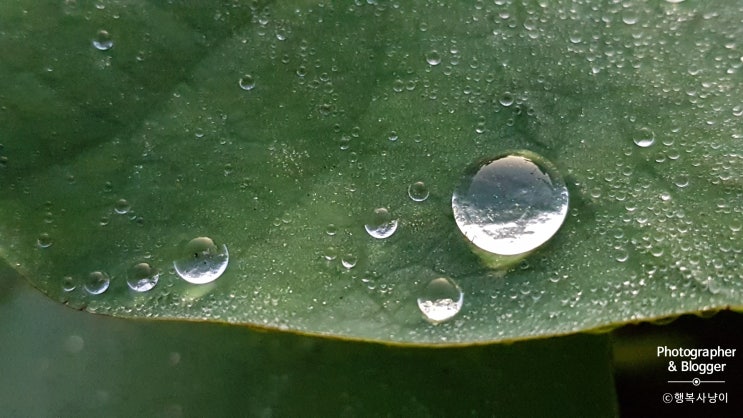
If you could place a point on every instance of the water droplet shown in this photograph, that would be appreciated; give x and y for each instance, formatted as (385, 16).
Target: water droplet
(381, 225)
(349, 261)
(510, 204)
(330, 253)
(142, 277)
(644, 137)
(418, 191)
(441, 300)
(202, 261)
(44, 241)
(506, 99)
(433, 58)
(681, 180)
(68, 284)
(103, 40)
(247, 82)
(122, 207)
(392, 136)
(331, 229)
(97, 283)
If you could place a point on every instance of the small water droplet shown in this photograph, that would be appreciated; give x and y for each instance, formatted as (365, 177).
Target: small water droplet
(510, 204)
(441, 300)
(392, 136)
(68, 284)
(202, 261)
(433, 58)
(331, 229)
(349, 261)
(247, 82)
(44, 241)
(345, 142)
(122, 207)
(142, 277)
(381, 225)
(330, 253)
(681, 180)
(644, 137)
(97, 283)
(506, 99)
(418, 191)
(103, 40)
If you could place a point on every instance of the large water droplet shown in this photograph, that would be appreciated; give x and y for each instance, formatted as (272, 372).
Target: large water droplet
(97, 283)
(202, 261)
(381, 225)
(103, 40)
(441, 300)
(418, 191)
(510, 204)
(142, 277)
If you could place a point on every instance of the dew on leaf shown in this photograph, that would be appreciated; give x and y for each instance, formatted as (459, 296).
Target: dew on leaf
(381, 225)
(202, 261)
(44, 241)
(440, 300)
(510, 204)
(349, 261)
(418, 191)
(247, 82)
(97, 283)
(433, 58)
(103, 40)
(644, 137)
(68, 284)
(122, 206)
(142, 277)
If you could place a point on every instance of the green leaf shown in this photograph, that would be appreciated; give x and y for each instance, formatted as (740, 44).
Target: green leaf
(161, 121)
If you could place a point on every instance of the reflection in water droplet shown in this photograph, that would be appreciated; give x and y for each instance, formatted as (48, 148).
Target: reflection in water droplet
(433, 58)
(68, 284)
(644, 137)
(441, 300)
(142, 277)
(122, 206)
(510, 204)
(202, 261)
(381, 225)
(247, 82)
(97, 283)
(418, 191)
(44, 241)
(103, 41)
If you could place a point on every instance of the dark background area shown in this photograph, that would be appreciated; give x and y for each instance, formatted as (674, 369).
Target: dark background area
(641, 377)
